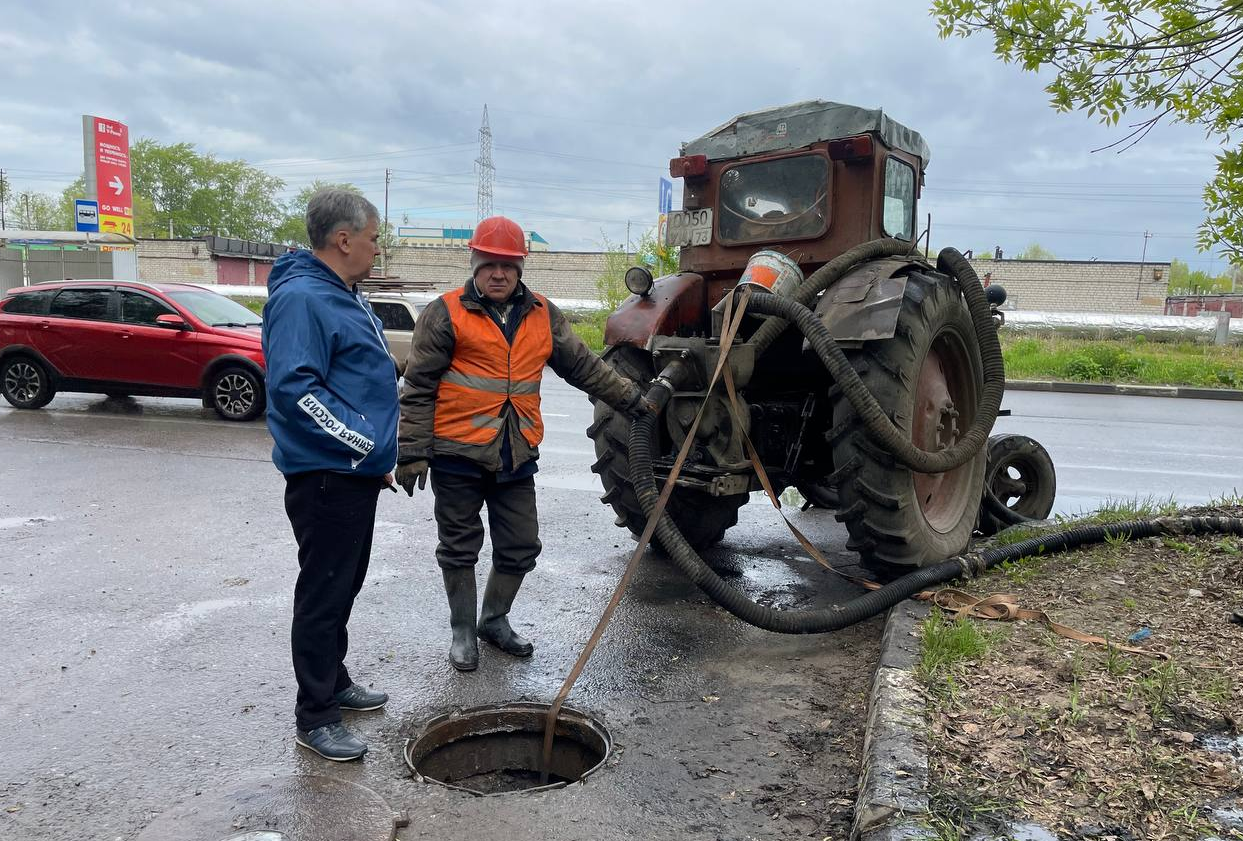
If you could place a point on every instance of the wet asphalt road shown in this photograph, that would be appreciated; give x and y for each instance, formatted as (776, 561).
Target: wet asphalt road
(146, 572)
(146, 568)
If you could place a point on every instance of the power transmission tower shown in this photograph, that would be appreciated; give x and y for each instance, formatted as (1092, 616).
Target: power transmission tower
(485, 172)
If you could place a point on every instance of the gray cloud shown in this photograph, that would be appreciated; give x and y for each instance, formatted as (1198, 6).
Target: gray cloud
(587, 104)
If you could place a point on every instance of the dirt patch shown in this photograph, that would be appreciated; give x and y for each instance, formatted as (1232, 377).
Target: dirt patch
(1093, 742)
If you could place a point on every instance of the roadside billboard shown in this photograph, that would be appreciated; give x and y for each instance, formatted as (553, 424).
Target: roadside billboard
(106, 155)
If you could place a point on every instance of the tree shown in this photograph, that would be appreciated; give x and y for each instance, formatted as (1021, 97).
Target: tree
(660, 262)
(5, 193)
(33, 211)
(1183, 281)
(611, 283)
(178, 192)
(292, 230)
(1168, 59)
(191, 194)
(1035, 251)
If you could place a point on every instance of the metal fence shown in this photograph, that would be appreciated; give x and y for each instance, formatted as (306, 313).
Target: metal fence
(23, 266)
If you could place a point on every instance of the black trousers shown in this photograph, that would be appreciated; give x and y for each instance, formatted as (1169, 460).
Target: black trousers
(333, 518)
(512, 521)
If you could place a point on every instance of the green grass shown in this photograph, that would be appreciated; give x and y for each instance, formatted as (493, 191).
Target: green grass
(1132, 360)
(944, 642)
(255, 305)
(590, 327)
(1121, 510)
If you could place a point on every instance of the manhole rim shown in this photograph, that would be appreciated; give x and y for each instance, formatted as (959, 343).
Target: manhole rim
(585, 720)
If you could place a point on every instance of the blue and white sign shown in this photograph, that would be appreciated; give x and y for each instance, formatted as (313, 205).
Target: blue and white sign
(87, 214)
(666, 195)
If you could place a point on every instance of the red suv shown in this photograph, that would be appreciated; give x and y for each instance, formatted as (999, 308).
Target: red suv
(130, 338)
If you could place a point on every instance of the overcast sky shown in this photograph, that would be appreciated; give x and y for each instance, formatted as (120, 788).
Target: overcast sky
(588, 101)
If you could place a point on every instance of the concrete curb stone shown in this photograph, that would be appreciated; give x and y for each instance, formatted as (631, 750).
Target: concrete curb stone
(892, 804)
(1124, 388)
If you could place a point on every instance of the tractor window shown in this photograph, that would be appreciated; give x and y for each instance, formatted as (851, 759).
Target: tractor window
(781, 199)
(899, 199)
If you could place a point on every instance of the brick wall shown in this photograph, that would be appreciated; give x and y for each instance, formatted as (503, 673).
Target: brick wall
(1044, 285)
(175, 261)
(557, 274)
(1079, 286)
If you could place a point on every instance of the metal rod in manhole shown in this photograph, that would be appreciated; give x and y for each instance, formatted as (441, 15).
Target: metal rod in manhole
(550, 723)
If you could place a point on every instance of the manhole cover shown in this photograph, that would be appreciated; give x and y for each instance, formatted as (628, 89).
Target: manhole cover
(288, 808)
(498, 749)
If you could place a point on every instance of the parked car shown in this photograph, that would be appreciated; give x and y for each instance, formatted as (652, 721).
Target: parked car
(398, 311)
(130, 338)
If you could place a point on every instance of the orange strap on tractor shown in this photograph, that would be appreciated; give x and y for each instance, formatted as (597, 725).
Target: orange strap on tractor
(471, 399)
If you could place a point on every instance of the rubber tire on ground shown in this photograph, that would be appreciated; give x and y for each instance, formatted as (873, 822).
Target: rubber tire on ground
(1035, 467)
(44, 390)
(703, 519)
(249, 411)
(879, 504)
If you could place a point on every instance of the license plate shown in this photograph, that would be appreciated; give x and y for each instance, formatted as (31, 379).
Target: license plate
(690, 227)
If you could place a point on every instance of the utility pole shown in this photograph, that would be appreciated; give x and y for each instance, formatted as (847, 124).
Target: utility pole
(388, 177)
(1143, 257)
(2, 182)
(26, 202)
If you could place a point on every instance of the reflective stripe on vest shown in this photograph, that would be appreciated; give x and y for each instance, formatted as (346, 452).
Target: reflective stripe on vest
(487, 372)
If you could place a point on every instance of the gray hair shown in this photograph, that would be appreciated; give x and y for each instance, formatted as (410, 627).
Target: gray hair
(332, 209)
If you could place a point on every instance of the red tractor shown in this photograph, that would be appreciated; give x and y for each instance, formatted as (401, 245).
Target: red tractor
(833, 190)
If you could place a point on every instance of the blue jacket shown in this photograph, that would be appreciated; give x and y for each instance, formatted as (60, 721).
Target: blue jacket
(332, 388)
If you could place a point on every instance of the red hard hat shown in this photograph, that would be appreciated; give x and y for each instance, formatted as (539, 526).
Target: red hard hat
(500, 236)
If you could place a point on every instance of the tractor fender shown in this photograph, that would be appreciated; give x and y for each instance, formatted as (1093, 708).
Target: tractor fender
(673, 302)
(864, 304)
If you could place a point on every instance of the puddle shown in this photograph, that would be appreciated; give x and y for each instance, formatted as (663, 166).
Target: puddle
(20, 522)
(1221, 743)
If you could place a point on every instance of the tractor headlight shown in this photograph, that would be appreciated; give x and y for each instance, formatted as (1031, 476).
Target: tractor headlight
(639, 280)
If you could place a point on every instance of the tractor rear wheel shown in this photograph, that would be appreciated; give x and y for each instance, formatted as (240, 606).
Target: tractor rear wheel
(928, 379)
(702, 518)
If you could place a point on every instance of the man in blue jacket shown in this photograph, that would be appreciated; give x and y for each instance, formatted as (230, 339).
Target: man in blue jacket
(332, 412)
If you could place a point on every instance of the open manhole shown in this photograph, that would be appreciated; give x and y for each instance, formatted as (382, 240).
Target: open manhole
(498, 749)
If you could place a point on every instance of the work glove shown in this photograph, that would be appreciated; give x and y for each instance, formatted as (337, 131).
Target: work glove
(411, 472)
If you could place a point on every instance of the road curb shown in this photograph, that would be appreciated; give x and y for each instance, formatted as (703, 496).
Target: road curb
(892, 804)
(1123, 388)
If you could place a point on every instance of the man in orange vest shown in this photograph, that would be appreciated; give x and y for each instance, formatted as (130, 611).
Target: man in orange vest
(470, 411)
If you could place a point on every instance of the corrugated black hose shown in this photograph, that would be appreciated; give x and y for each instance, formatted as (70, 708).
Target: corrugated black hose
(642, 435)
(875, 601)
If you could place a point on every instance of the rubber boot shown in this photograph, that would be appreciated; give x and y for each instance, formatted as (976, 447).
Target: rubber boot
(460, 588)
(498, 597)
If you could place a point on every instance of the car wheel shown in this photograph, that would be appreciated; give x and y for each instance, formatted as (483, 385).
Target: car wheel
(236, 394)
(26, 383)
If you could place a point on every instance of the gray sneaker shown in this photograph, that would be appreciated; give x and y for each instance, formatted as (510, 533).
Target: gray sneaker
(333, 741)
(355, 697)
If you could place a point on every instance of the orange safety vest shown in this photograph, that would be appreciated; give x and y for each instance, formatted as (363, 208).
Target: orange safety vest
(487, 372)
